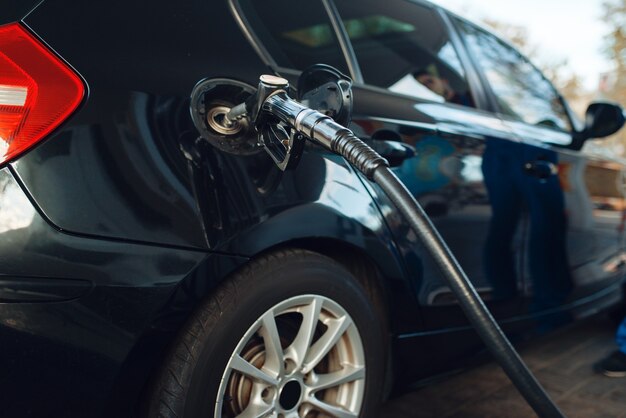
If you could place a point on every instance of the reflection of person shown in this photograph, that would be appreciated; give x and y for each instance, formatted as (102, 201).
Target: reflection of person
(424, 174)
(511, 188)
(441, 86)
(615, 364)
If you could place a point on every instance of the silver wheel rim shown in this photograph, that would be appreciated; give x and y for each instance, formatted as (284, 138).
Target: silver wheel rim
(303, 358)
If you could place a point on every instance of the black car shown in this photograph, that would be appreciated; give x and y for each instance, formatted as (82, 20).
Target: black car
(149, 270)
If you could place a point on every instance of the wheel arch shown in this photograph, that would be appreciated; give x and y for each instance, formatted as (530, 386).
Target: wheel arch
(369, 254)
(380, 281)
(222, 300)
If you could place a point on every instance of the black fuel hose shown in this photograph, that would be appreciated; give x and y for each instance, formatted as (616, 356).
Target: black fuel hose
(368, 161)
(474, 308)
(326, 132)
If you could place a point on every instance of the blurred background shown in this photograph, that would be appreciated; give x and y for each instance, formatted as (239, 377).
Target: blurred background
(580, 45)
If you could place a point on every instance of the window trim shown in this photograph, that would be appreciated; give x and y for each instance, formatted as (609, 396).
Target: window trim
(475, 80)
(250, 35)
(266, 57)
(344, 41)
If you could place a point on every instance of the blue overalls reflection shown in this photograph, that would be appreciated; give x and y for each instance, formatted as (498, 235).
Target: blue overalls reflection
(518, 177)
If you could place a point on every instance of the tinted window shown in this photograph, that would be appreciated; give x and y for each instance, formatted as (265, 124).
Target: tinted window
(297, 34)
(520, 88)
(404, 47)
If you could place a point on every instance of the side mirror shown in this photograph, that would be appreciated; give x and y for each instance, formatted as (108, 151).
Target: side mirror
(323, 88)
(603, 119)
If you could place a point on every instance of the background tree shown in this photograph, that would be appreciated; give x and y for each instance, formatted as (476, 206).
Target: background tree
(615, 17)
(613, 84)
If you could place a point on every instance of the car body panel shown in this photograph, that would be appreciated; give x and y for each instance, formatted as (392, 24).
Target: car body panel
(445, 176)
(14, 10)
(73, 309)
(592, 190)
(127, 132)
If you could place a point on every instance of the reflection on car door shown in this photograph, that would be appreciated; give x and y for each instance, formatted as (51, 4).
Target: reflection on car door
(574, 202)
(399, 46)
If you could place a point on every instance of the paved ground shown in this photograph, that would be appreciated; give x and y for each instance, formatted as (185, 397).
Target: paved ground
(562, 363)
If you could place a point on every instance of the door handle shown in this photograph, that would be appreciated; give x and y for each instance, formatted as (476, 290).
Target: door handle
(389, 145)
(541, 169)
(393, 151)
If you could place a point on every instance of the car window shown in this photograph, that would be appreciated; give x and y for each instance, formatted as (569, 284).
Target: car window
(521, 90)
(297, 34)
(404, 47)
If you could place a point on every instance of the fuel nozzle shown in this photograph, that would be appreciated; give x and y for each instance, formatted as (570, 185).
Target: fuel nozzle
(276, 134)
(268, 85)
(280, 125)
(283, 124)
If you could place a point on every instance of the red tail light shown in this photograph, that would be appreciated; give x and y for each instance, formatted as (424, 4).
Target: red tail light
(38, 91)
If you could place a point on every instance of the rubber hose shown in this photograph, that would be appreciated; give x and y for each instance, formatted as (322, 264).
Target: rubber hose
(375, 167)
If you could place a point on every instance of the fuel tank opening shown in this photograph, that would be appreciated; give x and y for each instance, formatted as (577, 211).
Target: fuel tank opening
(211, 100)
(217, 120)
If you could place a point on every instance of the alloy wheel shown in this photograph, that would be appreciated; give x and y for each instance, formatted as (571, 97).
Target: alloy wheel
(303, 358)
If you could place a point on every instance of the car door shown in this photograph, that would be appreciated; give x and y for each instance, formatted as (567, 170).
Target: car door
(574, 202)
(406, 53)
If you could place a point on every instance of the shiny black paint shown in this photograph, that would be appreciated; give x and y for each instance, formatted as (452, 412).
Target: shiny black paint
(457, 200)
(594, 248)
(82, 336)
(123, 175)
(457, 205)
(13, 10)
(461, 208)
(127, 131)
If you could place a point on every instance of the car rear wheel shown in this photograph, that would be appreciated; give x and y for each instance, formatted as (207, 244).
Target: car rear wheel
(293, 334)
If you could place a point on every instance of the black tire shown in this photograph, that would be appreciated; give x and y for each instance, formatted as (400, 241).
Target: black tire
(189, 382)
